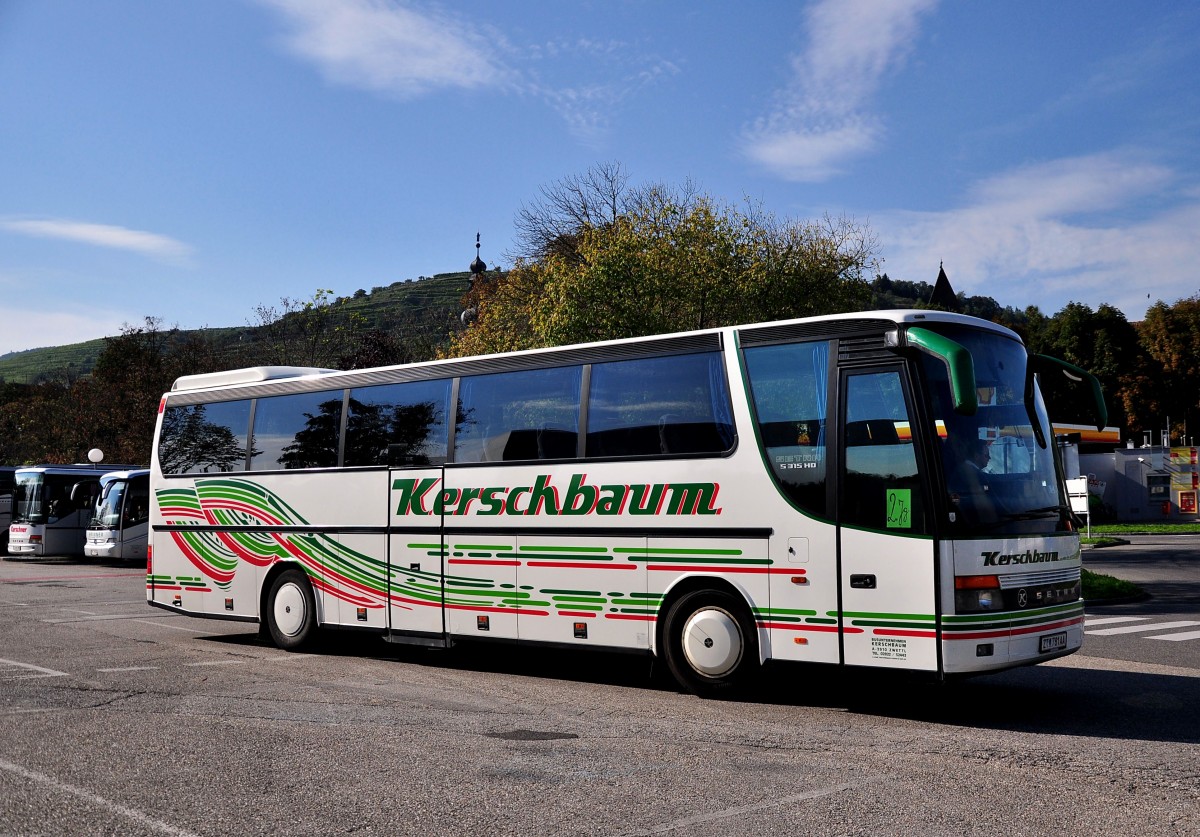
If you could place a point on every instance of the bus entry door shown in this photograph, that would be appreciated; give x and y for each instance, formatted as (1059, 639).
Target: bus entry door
(887, 580)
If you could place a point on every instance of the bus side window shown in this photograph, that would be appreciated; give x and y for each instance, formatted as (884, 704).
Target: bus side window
(517, 416)
(399, 425)
(789, 384)
(660, 406)
(297, 431)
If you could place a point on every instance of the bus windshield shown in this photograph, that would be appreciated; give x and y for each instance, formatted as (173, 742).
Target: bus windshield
(999, 468)
(107, 514)
(29, 501)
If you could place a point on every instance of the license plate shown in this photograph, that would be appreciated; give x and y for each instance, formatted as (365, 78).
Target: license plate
(1053, 642)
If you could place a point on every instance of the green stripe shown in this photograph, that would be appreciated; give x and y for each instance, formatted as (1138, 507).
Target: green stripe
(641, 550)
(564, 549)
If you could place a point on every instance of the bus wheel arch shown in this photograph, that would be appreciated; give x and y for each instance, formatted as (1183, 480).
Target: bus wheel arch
(708, 637)
(289, 607)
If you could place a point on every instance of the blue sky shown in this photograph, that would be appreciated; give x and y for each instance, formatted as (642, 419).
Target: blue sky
(193, 159)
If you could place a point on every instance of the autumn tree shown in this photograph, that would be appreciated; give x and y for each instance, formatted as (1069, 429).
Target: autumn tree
(656, 260)
(1165, 382)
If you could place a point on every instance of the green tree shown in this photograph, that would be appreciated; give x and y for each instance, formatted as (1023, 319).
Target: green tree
(659, 260)
(1104, 343)
(312, 332)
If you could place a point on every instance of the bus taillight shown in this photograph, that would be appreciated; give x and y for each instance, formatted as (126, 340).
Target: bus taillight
(149, 559)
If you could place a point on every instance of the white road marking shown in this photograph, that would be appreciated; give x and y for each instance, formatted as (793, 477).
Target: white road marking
(743, 810)
(108, 804)
(41, 672)
(99, 618)
(161, 624)
(1178, 637)
(1109, 620)
(217, 663)
(1153, 626)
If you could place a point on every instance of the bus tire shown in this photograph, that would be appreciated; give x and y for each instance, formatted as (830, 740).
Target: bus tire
(711, 643)
(291, 611)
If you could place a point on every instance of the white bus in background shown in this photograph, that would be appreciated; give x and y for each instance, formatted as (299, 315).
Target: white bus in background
(120, 520)
(814, 490)
(6, 501)
(51, 508)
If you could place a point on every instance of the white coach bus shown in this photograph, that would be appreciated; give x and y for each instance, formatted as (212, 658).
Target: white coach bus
(876, 489)
(120, 524)
(51, 506)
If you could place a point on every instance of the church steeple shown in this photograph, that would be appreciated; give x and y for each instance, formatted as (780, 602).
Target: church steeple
(943, 295)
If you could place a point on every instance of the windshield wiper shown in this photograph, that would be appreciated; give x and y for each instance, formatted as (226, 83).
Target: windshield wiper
(1034, 514)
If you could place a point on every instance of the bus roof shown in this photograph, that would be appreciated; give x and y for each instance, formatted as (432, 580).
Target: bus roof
(129, 474)
(85, 468)
(249, 375)
(265, 374)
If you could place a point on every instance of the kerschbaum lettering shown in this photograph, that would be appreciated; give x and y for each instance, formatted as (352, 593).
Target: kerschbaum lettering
(427, 496)
(1029, 556)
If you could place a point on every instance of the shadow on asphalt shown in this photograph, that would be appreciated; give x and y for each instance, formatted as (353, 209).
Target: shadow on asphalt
(1049, 700)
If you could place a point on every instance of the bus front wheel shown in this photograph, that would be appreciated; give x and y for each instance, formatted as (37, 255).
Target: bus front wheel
(291, 611)
(711, 643)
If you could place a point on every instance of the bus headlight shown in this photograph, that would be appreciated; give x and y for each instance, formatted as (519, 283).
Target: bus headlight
(977, 594)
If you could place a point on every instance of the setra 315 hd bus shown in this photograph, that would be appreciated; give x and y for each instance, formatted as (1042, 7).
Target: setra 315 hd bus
(876, 489)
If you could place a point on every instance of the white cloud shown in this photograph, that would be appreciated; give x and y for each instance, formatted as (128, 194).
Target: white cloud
(389, 47)
(1056, 232)
(397, 49)
(820, 121)
(102, 235)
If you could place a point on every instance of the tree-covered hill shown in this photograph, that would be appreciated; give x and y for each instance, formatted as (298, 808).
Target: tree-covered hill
(422, 310)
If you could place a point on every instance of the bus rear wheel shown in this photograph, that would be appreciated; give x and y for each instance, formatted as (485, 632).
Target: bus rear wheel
(711, 643)
(291, 611)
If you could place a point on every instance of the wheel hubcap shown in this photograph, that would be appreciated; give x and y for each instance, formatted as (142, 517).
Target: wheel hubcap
(289, 609)
(712, 642)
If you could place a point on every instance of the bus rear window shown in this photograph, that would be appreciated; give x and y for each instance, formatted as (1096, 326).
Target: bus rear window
(204, 438)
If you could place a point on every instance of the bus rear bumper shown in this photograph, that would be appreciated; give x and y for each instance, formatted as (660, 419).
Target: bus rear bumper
(24, 549)
(95, 549)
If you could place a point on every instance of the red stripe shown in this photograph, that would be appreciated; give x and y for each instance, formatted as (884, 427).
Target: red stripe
(164, 587)
(581, 565)
(1049, 626)
(634, 617)
(483, 563)
(795, 626)
(485, 609)
(232, 505)
(718, 569)
(898, 632)
(576, 613)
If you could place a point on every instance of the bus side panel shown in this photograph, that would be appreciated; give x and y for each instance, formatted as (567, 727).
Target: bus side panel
(229, 530)
(344, 551)
(888, 611)
(742, 563)
(585, 590)
(802, 618)
(481, 593)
